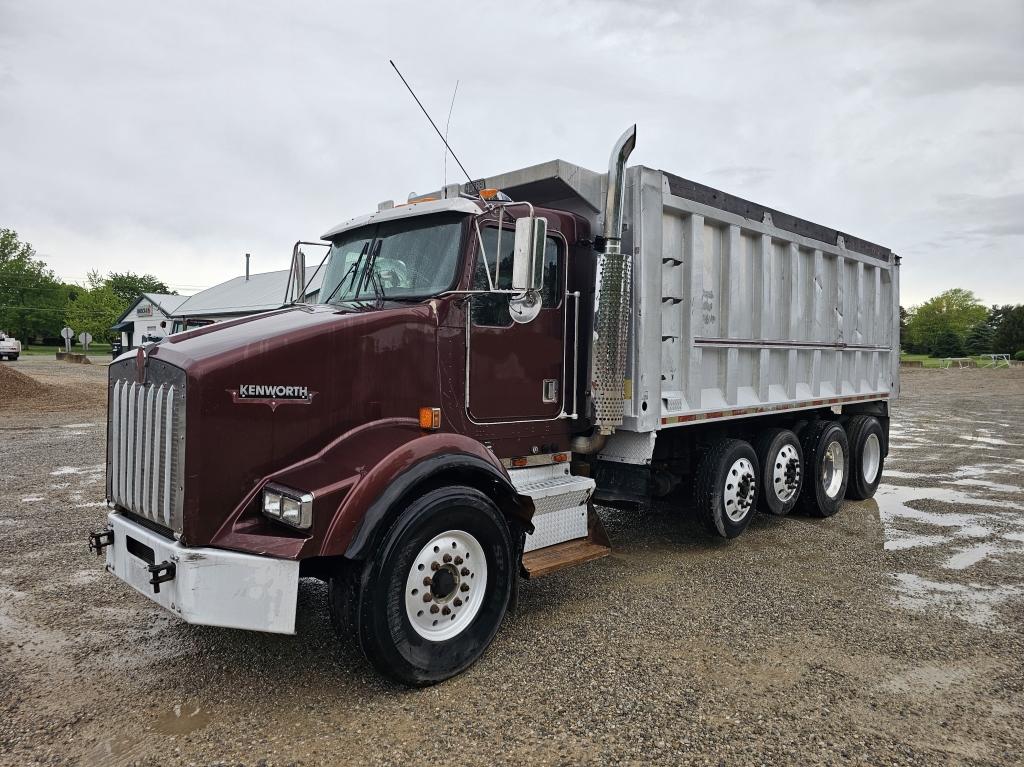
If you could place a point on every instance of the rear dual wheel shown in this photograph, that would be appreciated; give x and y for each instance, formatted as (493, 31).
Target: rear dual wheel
(725, 487)
(780, 460)
(827, 460)
(867, 456)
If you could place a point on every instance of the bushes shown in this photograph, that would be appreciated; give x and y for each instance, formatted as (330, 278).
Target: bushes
(1019, 355)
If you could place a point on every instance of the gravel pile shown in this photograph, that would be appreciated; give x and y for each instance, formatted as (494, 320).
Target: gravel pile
(890, 634)
(57, 389)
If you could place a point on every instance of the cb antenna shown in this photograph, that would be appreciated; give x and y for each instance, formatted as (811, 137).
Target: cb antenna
(434, 125)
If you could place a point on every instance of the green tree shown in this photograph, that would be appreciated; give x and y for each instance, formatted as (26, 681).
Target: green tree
(980, 339)
(95, 308)
(1009, 335)
(955, 311)
(127, 285)
(31, 298)
(947, 344)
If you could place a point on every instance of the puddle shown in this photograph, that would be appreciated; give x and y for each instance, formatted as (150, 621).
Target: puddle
(183, 719)
(972, 602)
(994, 486)
(970, 556)
(902, 542)
(32, 499)
(990, 440)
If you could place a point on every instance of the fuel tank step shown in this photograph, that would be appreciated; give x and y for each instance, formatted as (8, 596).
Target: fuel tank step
(541, 562)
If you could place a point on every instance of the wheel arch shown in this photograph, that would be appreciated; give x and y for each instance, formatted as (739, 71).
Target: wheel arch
(439, 470)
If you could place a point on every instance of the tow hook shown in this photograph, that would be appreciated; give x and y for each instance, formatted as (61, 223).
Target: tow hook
(99, 541)
(162, 573)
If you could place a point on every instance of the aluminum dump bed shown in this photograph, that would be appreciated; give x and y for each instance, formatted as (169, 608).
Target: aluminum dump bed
(738, 309)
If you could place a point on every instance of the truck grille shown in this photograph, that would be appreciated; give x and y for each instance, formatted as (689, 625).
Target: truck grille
(145, 444)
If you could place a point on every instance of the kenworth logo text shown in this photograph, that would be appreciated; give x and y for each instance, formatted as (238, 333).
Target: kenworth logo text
(260, 391)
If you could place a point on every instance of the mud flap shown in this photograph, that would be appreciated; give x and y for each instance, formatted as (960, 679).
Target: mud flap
(541, 562)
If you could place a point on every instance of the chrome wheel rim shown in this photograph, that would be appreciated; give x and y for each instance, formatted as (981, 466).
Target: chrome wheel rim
(786, 473)
(740, 489)
(446, 584)
(832, 469)
(871, 458)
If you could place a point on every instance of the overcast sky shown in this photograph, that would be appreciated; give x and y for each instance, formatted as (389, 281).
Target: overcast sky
(173, 137)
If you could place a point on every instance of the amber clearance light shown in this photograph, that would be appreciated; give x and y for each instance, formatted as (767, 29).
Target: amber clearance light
(430, 418)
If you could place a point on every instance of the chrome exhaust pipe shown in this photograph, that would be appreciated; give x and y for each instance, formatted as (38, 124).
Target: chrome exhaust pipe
(612, 296)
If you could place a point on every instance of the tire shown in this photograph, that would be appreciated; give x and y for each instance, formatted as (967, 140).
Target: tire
(780, 464)
(867, 456)
(725, 487)
(826, 468)
(411, 607)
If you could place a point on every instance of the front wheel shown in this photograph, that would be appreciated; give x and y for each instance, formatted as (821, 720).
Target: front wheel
(431, 599)
(725, 487)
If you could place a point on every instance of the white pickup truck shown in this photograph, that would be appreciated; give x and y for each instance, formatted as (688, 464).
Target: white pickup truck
(10, 348)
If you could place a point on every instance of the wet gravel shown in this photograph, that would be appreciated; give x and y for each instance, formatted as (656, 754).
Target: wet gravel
(892, 633)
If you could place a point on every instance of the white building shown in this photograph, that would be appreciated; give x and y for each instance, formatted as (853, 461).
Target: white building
(148, 319)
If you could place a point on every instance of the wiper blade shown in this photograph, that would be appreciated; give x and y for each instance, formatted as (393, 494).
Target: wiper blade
(351, 269)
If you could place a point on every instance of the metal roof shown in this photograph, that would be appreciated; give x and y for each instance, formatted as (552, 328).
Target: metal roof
(165, 302)
(453, 205)
(260, 293)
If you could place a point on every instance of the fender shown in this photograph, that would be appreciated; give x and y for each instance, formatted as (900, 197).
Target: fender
(395, 482)
(357, 479)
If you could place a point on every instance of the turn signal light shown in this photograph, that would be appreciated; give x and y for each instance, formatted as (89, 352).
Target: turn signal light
(488, 194)
(519, 462)
(561, 457)
(430, 418)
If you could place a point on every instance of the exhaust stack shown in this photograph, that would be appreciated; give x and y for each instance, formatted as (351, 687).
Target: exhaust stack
(612, 298)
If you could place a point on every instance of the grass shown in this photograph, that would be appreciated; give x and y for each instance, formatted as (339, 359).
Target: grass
(937, 362)
(95, 350)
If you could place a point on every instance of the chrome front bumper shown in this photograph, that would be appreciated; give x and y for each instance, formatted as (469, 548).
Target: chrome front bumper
(206, 586)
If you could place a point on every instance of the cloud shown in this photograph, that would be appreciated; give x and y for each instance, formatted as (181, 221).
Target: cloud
(175, 138)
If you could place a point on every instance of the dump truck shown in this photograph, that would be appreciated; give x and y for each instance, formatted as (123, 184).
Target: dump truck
(481, 368)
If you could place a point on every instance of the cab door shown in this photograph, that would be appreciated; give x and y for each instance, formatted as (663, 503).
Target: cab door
(516, 371)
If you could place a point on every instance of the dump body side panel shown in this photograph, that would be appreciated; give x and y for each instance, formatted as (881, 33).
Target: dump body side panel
(734, 316)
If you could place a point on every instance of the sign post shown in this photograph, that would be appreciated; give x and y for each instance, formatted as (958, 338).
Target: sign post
(85, 339)
(67, 333)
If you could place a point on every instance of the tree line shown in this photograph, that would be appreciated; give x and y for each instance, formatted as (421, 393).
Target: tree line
(957, 324)
(35, 304)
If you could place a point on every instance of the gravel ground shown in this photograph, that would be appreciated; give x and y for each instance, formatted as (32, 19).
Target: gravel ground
(888, 634)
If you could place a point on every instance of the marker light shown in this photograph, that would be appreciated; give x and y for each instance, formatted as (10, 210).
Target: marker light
(293, 507)
(430, 418)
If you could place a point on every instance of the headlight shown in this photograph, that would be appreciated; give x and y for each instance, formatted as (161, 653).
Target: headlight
(293, 507)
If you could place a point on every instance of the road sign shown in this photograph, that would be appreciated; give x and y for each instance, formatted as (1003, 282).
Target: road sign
(85, 339)
(67, 333)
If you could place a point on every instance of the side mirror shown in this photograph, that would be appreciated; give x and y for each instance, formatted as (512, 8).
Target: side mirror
(528, 254)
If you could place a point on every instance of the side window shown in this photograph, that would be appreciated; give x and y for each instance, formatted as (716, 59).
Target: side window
(492, 310)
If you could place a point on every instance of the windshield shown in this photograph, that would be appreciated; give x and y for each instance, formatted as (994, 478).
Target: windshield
(411, 258)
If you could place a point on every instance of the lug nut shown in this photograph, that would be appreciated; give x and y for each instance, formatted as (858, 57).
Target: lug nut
(464, 587)
(447, 558)
(435, 565)
(435, 609)
(427, 597)
(446, 611)
(427, 581)
(457, 602)
(464, 571)
(458, 560)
